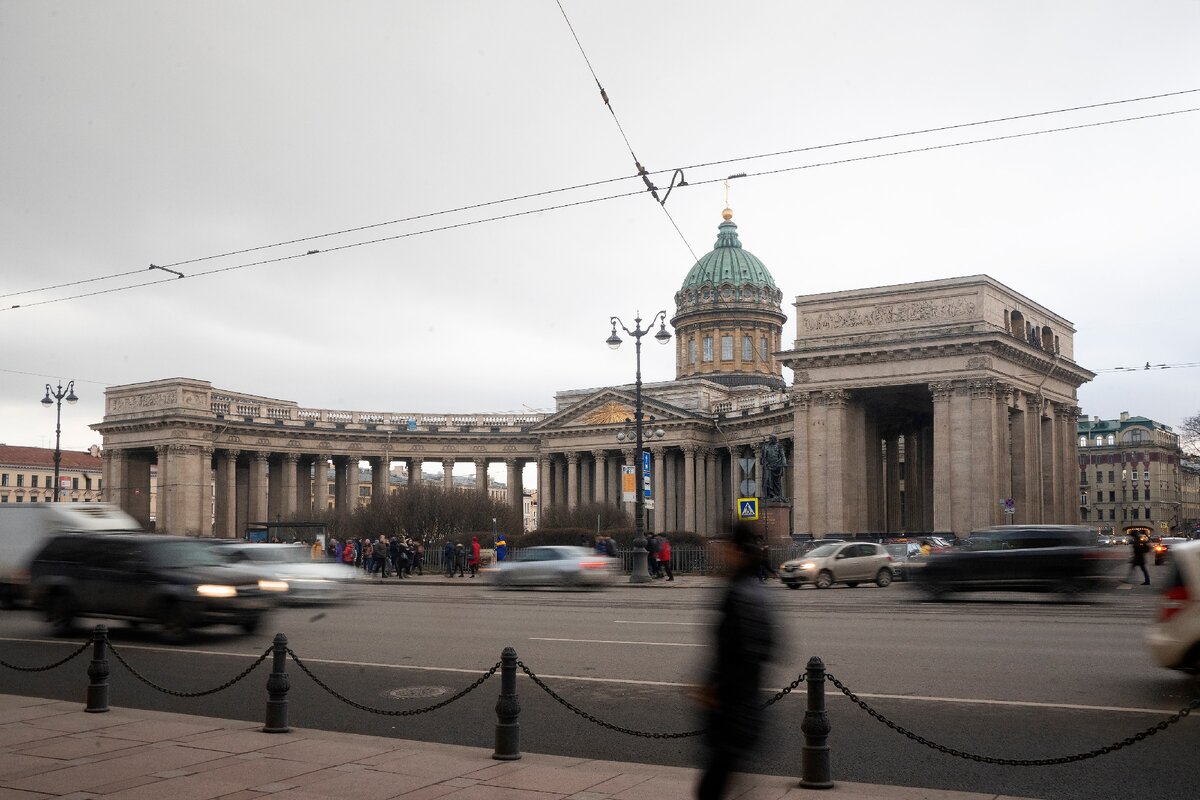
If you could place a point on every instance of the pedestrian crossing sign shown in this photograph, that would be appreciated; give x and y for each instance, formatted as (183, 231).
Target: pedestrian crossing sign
(747, 508)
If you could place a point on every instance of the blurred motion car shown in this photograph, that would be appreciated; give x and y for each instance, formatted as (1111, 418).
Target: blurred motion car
(176, 582)
(568, 567)
(1174, 637)
(309, 581)
(1039, 558)
(906, 558)
(1162, 548)
(850, 563)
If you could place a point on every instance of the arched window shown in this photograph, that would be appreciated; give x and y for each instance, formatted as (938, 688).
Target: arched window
(1099, 440)
(1112, 439)
(1083, 441)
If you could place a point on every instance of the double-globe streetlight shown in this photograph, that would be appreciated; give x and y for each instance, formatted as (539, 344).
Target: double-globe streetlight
(59, 395)
(639, 574)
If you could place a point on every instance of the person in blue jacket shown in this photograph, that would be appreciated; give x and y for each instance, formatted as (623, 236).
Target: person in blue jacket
(501, 548)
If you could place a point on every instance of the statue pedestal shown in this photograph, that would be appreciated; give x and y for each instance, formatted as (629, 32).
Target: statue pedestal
(777, 521)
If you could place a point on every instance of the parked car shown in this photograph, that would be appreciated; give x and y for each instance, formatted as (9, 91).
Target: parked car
(850, 563)
(308, 580)
(906, 559)
(178, 583)
(1059, 558)
(1174, 636)
(1162, 548)
(569, 567)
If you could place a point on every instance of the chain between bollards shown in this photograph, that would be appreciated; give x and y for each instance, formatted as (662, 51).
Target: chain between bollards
(508, 709)
(814, 756)
(277, 688)
(97, 690)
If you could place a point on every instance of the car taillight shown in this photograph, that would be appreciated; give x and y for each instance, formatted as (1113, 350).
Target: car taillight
(1173, 601)
(593, 564)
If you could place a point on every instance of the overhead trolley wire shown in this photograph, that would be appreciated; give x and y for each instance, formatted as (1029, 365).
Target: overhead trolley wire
(567, 205)
(643, 173)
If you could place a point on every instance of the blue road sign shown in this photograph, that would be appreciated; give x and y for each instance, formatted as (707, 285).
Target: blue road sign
(747, 508)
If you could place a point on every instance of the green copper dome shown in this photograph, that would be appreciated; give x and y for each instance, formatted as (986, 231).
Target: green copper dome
(728, 263)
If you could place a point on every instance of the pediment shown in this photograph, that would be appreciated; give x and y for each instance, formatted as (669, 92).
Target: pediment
(610, 407)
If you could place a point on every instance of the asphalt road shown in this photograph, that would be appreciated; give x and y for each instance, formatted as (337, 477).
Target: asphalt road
(1016, 677)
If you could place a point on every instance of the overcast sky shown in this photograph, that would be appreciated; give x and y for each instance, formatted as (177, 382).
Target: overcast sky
(147, 132)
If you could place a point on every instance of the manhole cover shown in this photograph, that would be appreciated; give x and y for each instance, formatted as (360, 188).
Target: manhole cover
(410, 692)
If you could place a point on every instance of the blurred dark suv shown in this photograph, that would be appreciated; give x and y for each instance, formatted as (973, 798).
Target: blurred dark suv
(1024, 558)
(177, 583)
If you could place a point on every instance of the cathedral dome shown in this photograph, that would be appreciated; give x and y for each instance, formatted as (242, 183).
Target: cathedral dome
(728, 262)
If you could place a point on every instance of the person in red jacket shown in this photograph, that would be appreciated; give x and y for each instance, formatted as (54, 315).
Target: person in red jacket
(348, 553)
(473, 560)
(664, 556)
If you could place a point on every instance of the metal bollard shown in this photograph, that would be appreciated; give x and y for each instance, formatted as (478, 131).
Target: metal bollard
(97, 690)
(814, 758)
(277, 689)
(508, 709)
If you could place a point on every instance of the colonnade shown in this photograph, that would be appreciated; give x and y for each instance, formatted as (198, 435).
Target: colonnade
(207, 491)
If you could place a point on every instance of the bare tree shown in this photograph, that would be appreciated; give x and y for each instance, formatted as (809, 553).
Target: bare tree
(1189, 435)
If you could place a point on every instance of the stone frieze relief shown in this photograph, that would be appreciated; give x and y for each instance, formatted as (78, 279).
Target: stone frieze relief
(891, 314)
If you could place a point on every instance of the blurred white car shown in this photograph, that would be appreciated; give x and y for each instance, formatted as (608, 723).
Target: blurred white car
(1174, 636)
(308, 581)
(554, 566)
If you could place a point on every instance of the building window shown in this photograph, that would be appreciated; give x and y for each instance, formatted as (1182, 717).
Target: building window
(1111, 440)
(1147, 513)
(727, 348)
(4, 479)
(708, 348)
(1099, 440)
(691, 351)
(747, 348)
(1112, 513)
(33, 482)
(762, 348)
(1111, 477)
(1112, 496)
(1146, 475)
(1147, 496)
(75, 484)
(1083, 441)
(20, 480)
(1135, 513)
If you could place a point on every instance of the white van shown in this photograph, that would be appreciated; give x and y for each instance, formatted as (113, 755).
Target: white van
(24, 528)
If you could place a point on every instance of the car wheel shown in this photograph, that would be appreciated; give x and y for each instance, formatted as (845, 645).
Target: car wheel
(792, 585)
(883, 578)
(824, 579)
(852, 584)
(60, 613)
(934, 590)
(251, 624)
(174, 624)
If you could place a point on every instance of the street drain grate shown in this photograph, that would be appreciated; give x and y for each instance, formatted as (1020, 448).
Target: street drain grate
(412, 692)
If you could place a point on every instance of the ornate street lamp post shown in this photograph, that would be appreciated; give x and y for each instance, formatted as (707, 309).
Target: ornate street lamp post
(59, 395)
(639, 573)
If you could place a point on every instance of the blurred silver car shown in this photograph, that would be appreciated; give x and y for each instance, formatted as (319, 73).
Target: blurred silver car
(850, 563)
(1174, 637)
(308, 580)
(568, 567)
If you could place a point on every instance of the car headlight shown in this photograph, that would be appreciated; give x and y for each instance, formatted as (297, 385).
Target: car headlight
(272, 586)
(807, 565)
(216, 590)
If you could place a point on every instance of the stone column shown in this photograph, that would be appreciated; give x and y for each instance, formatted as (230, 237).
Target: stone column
(275, 470)
(735, 479)
(162, 508)
(380, 467)
(985, 495)
(1069, 459)
(516, 492)
(116, 481)
(700, 486)
(803, 466)
(545, 491)
(836, 401)
(892, 482)
(258, 486)
(339, 482)
(689, 488)
(713, 492)
(601, 476)
(207, 496)
(415, 465)
(227, 495)
(448, 474)
(818, 450)
(187, 481)
(855, 497)
(572, 480)
(320, 484)
(352, 483)
(1002, 447)
(290, 462)
(671, 490)
(942, 455)
(874, 484)
(657, 491)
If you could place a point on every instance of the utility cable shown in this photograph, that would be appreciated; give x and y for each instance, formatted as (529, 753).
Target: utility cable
(643, 173)
(678, 173)
(603, 199)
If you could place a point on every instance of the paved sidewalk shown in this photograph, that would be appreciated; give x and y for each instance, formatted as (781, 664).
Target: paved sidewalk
(50, 748)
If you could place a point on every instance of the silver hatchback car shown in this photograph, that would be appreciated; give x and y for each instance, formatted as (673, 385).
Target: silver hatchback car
(850, 563)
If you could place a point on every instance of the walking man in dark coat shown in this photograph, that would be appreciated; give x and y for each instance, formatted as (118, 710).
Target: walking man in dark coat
(745, 639)
(1141, 546)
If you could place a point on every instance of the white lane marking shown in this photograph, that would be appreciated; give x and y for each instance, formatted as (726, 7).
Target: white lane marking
(609, 641)
(627, 681)
(656, 622)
